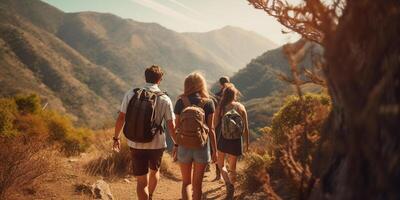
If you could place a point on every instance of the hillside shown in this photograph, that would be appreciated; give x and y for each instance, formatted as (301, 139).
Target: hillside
(235, 45)
(262, 91)
(259, 78)
(82, 63)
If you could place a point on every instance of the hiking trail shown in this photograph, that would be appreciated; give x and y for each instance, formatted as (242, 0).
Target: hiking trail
(63, 184)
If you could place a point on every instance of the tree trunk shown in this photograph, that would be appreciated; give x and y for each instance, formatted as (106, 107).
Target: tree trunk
(363, 131)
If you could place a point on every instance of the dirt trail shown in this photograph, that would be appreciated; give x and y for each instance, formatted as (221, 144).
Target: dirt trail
(168, 188)
(62, 185)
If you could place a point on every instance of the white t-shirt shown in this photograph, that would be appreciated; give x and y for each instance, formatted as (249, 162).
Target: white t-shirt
(164, 112)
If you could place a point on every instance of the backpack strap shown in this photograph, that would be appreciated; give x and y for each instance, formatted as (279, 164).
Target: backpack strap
(160, 93)
(186, 101)
(137, 92)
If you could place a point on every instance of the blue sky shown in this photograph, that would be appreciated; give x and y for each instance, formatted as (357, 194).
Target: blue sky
(186, 15)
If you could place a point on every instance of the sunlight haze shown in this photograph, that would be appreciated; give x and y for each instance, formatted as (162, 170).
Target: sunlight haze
(187, 15)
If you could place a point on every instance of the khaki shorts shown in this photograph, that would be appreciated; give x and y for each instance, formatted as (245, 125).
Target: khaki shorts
(143, 159)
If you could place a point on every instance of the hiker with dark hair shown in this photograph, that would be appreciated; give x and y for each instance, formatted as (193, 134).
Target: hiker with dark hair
(142, 115)
(223, 81)
(232, 118)
(194, 121)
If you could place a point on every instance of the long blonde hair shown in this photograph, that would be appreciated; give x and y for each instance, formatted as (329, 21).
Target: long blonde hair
(195, 83)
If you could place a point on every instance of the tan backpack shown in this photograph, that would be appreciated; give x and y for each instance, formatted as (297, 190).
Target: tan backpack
(192, 131)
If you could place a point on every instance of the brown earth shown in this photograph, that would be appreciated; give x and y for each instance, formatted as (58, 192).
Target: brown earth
(62, 184)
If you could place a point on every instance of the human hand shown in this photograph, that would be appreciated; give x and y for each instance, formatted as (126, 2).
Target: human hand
(175, 153)
(117, 145)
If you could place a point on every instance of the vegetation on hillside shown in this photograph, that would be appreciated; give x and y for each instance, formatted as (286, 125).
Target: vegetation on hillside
(23, 115)
(260, 77)
(83, 63)
(280, 159)
(31, 139)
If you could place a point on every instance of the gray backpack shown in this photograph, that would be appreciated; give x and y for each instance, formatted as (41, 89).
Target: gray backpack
(232, 125)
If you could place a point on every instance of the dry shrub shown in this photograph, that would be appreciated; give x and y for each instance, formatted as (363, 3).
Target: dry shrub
(21, 115)
(295, 134)
(31, 125)
(24, 162)
(111, 164)
(61, 130)
(256, 164)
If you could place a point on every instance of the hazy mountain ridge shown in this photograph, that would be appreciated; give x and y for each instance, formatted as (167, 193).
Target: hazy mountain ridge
(228, 44)
(259, 78)
(82, 63)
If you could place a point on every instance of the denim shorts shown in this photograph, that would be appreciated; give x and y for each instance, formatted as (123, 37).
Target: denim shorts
(186, 155)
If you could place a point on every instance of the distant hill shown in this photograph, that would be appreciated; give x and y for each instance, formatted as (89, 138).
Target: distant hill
(234, 45)
(259, 78)
(262, 92)
(82, 63)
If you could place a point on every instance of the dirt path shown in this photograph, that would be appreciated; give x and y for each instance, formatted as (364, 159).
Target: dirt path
(168, 188)
(62, 185)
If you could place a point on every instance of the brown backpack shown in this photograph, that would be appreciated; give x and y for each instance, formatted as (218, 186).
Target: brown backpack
(140, 125)
(192, 131)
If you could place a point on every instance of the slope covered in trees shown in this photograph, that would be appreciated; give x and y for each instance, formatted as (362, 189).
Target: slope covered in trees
(82, 63)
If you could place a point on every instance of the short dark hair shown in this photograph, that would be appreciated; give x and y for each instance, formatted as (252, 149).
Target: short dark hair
(224, 80)
(153, 74)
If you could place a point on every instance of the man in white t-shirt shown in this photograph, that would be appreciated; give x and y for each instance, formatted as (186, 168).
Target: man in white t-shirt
(148, 155)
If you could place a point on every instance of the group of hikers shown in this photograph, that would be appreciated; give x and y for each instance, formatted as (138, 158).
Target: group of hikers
(204, 128)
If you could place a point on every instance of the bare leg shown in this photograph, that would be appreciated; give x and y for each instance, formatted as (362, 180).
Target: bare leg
(232, 160)
(154, 177)
(198, 174)
(142, 189)
(217, 173)
(222, 168)
(186, 171)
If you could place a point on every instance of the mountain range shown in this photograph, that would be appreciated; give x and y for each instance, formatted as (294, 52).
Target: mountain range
(83, 63)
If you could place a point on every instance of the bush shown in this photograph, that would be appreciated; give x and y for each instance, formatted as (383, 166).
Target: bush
(296, 112)
(28, 103)
(295, 134)
(31, 125)
(78, 140)
(22, 115)
(112, 164)
(8, 113)
(72, 140)
(256, 165)
(24, 161)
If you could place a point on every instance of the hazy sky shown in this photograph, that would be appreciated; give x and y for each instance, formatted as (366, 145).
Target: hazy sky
(186, 15)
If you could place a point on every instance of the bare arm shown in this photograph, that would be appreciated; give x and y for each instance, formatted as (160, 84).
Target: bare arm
(246, 126)
(117, 131)
(210, 124)
(119, 124)
(171, 128)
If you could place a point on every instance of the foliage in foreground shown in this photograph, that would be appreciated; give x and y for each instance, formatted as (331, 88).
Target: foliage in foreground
(24, 162)
(280, 170)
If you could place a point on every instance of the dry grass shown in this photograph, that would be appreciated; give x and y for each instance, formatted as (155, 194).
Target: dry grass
(24, 162)
(110, 164)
